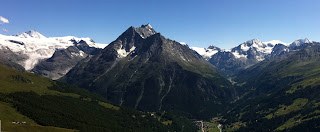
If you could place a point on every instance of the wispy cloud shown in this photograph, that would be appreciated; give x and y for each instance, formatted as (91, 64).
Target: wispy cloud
(6, 30)
(3, 20)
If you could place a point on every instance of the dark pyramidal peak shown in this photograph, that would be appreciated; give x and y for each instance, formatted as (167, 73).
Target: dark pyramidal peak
(144, 30)
(144, 70)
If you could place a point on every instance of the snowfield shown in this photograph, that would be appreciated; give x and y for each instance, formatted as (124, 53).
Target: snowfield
(37, 47)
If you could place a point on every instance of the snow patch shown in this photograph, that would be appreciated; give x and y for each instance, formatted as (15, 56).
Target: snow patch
(245, 47)
(205, 52)
(149, 25)
(81, 53)
(274, 42)
(123, 53)
(183, 43)
(237, 55)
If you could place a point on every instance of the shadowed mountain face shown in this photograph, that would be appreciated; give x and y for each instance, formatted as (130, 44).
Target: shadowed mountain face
(144, 70)
(64, 59)
(60, 63)
(8, 58)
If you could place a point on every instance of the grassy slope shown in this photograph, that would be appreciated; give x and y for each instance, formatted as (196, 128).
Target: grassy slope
(8, 114)
(38, 100)
(9, 83)
(13, 81)
(281, 94)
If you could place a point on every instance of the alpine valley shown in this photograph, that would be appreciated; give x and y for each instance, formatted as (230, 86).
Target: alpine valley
(143, 81)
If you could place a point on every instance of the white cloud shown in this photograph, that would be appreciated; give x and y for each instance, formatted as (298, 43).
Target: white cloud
(4, 20)
(6, 30)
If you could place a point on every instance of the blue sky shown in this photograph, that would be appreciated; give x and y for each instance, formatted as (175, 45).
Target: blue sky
(224, 23)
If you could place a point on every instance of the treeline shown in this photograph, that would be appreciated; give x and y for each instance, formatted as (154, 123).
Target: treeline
(72, 113)
(87, 115)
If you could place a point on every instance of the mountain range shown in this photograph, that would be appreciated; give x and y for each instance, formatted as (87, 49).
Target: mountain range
(246, 54)
(279, 94)
(32, 50)
(255, 86)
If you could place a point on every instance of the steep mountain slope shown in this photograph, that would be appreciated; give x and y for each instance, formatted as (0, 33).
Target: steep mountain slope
(280, 94)
(142, 69)
(63, 60)
(60, 63)
(7, 61)
(36, 103)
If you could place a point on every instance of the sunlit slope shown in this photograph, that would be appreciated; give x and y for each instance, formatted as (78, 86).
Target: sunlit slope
(47, 105)
(280, 94)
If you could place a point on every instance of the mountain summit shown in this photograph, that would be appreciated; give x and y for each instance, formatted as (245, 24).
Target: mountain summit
(145, 30)
(31, 34)
(299, 42)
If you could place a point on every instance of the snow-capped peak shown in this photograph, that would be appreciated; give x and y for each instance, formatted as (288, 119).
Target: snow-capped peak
(274, 42)
(213, 47)
(148, 25)
(299, 42)
(145, 30)
(254, 41)
(31, 34)
(183, 43)
(249, 44)
(206, 53)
